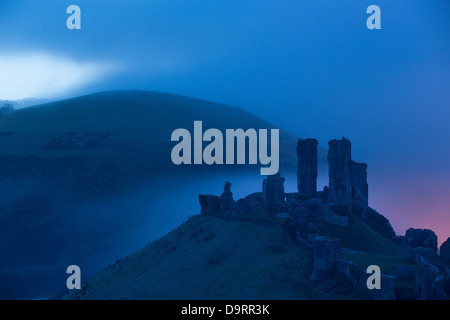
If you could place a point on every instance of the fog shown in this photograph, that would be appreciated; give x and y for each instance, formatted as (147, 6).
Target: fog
(97, 233)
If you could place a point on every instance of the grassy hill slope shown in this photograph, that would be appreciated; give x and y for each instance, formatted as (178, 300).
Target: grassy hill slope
(130, 118)
(210, 258)
(360, 237)
(231, 256)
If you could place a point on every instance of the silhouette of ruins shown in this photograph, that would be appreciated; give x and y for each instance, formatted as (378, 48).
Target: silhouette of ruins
(346, 195)
(347, 186)
(347, 178)
(327, 253)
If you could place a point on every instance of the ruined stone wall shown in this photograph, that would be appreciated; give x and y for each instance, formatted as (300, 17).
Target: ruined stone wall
(339, 161)
(360, 188)
(307, 168)
(273, 189)
(327, 252)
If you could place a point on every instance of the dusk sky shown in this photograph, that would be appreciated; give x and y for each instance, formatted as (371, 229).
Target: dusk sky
(309, 67)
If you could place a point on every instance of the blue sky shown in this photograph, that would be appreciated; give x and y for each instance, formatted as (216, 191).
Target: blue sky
(311, 67)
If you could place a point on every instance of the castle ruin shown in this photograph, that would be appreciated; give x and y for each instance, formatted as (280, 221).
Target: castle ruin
(347, 185)
(339, 162)
(347, 178)
(360, 188)
(327, 253)
(273, 189)
(346, 196)
(307, 168)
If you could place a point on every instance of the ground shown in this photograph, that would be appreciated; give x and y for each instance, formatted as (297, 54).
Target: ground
(229, 256)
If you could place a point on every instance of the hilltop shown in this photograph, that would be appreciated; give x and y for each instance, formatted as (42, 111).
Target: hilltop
(209, 258)
(233, 256)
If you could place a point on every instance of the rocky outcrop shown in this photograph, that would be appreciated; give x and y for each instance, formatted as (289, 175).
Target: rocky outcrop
(374, 219)
(424, 238)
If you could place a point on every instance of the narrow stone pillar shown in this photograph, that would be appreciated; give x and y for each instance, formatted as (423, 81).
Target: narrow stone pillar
(307, 168)
(339, 161)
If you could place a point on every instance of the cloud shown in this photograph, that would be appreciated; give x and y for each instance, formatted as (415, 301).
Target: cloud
(45, 75)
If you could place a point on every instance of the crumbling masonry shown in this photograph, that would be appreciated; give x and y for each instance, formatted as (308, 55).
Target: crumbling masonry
(307, 168)
(347, 178)
(327, 253)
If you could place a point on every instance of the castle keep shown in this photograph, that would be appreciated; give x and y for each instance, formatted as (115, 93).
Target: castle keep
(347, 178)
(347, 187)
(340, 171)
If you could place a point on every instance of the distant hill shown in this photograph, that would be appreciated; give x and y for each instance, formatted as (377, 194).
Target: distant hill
(23, 103)
(137, 124)
(89, 179)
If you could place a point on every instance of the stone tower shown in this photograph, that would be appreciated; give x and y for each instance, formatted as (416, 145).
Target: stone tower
(307, 168)
(327, 252)
(360, 188)
(273, 189)
(340, 171)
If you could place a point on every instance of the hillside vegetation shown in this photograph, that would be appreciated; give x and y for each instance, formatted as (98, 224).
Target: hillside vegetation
(231, 256)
